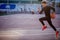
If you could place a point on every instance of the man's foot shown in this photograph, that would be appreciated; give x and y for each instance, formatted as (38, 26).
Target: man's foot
(57, 34)
(44, 27)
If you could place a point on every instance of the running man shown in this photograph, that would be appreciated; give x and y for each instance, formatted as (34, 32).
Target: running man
(47, 17)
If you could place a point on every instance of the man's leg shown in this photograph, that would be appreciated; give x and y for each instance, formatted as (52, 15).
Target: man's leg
(50, 23)
(41, 20)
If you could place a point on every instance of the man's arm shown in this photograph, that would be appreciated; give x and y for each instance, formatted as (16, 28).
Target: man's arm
(53, 13)
(53, 9)
(40, 11)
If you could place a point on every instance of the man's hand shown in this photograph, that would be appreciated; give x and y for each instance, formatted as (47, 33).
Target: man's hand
(32, 11)
(39, 10)
(53, 15)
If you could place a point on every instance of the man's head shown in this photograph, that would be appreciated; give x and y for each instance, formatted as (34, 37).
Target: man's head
(44, 3)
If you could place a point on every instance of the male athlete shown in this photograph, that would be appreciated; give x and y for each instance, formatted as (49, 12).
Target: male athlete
(47, 17)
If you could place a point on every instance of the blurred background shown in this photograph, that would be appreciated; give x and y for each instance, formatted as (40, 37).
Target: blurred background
(25, 6)
(18, 23)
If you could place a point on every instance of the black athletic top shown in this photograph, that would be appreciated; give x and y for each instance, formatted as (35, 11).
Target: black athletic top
(47, 10)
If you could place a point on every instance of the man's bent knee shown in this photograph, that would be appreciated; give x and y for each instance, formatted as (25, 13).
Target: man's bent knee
(40, 19)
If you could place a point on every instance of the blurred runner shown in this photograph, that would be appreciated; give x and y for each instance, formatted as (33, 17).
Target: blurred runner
(48, 16)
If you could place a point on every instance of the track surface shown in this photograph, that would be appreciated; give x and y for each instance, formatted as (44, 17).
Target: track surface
(26, 27)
